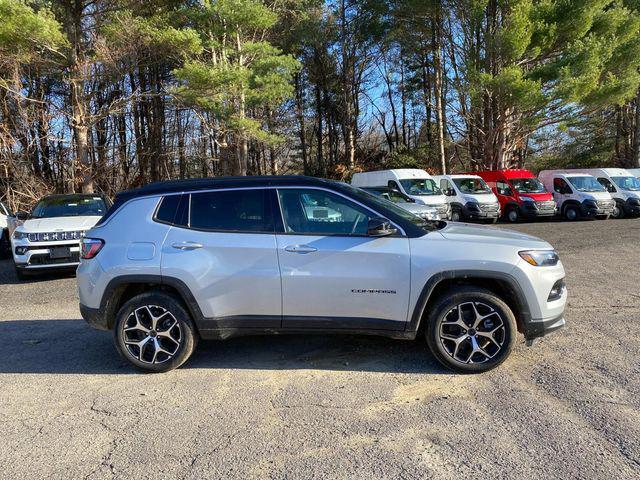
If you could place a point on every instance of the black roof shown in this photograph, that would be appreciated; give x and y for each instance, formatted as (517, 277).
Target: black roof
(194, 184)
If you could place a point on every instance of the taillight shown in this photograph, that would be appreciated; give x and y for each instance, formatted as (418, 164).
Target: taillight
(91, 247)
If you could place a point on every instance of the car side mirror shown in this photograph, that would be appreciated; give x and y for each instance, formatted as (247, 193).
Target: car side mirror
(450, 192)
(380, 227)
(566, 191)
(611, 189)
(22, 216)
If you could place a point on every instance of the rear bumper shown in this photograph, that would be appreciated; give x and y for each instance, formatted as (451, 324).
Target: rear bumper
(94, 317)
(540, 328)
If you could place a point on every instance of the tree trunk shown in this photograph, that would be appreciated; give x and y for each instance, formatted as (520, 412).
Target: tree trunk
(437, 63)
(301, 125)
(636, 140)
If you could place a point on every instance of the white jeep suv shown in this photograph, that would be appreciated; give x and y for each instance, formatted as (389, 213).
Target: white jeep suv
(49, 238)
(214, 258)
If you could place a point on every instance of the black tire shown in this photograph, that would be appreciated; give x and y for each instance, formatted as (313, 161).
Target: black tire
(512, 215)
(491, 354)
(140, 310)
(618, 211)
(5, 244)
(571, 212)
(456, 215)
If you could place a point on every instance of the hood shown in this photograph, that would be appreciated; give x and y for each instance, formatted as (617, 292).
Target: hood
(595, 195)
(538, 197)
(465, 232)
(58, 224)
(417, 208)
(483, 199)
(430, 199)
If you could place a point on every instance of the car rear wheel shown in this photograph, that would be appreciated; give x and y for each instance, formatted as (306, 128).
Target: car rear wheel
(471, 330)
(154, 332)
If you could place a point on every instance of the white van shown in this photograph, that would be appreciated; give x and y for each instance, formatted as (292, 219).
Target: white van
(634, 171)
(469, 197)
(413, 182)
(578, 195)
(623, 186)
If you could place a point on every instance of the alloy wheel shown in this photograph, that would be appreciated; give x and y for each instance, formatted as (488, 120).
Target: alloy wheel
(472, 332)
(151, 334)
(512, 216)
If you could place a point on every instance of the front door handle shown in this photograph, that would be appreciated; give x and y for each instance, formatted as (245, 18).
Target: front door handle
(187, 245)
(300, 249)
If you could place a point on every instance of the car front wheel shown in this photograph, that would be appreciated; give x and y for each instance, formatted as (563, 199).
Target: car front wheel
(471, 330)
(154, 332)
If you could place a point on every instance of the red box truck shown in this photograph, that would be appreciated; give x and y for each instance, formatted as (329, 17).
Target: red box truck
(520, 193)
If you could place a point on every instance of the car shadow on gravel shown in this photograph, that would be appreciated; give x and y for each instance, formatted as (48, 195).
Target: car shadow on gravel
(8, 275)
(71, 347)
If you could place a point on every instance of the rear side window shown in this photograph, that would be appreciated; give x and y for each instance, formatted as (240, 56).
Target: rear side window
(167, 209)
(231, 211)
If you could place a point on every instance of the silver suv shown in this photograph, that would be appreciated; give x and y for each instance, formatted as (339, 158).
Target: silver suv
(214, 258)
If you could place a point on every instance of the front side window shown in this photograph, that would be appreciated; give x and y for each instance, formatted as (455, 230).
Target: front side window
(420, 186)
(528, 185)
(318, 212)
(560, 186)
(472, 186)
(69, 206)
(503, 188)
(231, 211)
(607, 184)
(627, 183)
(586, 184)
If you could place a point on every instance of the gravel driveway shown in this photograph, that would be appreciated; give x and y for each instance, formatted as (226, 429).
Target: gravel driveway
(331, 407)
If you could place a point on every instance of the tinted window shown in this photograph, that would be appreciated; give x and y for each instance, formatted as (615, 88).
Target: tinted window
(168, 208)
(232, 210)
(318, 212)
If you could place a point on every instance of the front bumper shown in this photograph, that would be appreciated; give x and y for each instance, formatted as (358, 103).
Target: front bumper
(477, 211)
(543, 327)
(36, 256)
(631, 208)
(538, 209)
(590, 208)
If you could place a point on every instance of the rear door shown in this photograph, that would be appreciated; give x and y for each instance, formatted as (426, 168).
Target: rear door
(333, 274)
(225, 253)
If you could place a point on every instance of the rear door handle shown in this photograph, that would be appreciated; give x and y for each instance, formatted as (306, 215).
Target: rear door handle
(300, 249)
(187, 245)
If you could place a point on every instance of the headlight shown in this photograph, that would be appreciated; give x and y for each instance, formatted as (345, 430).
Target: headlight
(17, 235)
(540, 258)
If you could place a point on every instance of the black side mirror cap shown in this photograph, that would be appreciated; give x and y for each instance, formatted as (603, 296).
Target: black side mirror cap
(380, 227)
(22, 216)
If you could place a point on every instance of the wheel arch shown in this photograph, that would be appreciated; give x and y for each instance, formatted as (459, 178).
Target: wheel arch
(121, 289)
(505, 286)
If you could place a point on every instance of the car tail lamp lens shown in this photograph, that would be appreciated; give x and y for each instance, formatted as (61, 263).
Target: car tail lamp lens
(91, 247)
(540, 258)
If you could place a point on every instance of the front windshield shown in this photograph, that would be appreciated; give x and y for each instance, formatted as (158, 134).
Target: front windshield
(473, 186)
(69, 206)
(586, 184)
(420, 186)
(528, 185)
(627, 183)
(389, 205)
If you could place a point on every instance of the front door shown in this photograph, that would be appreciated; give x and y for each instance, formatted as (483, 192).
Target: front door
(227, 257)
(333, 274)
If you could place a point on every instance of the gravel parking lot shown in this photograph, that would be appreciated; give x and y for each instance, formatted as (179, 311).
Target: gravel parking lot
(331, 407)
